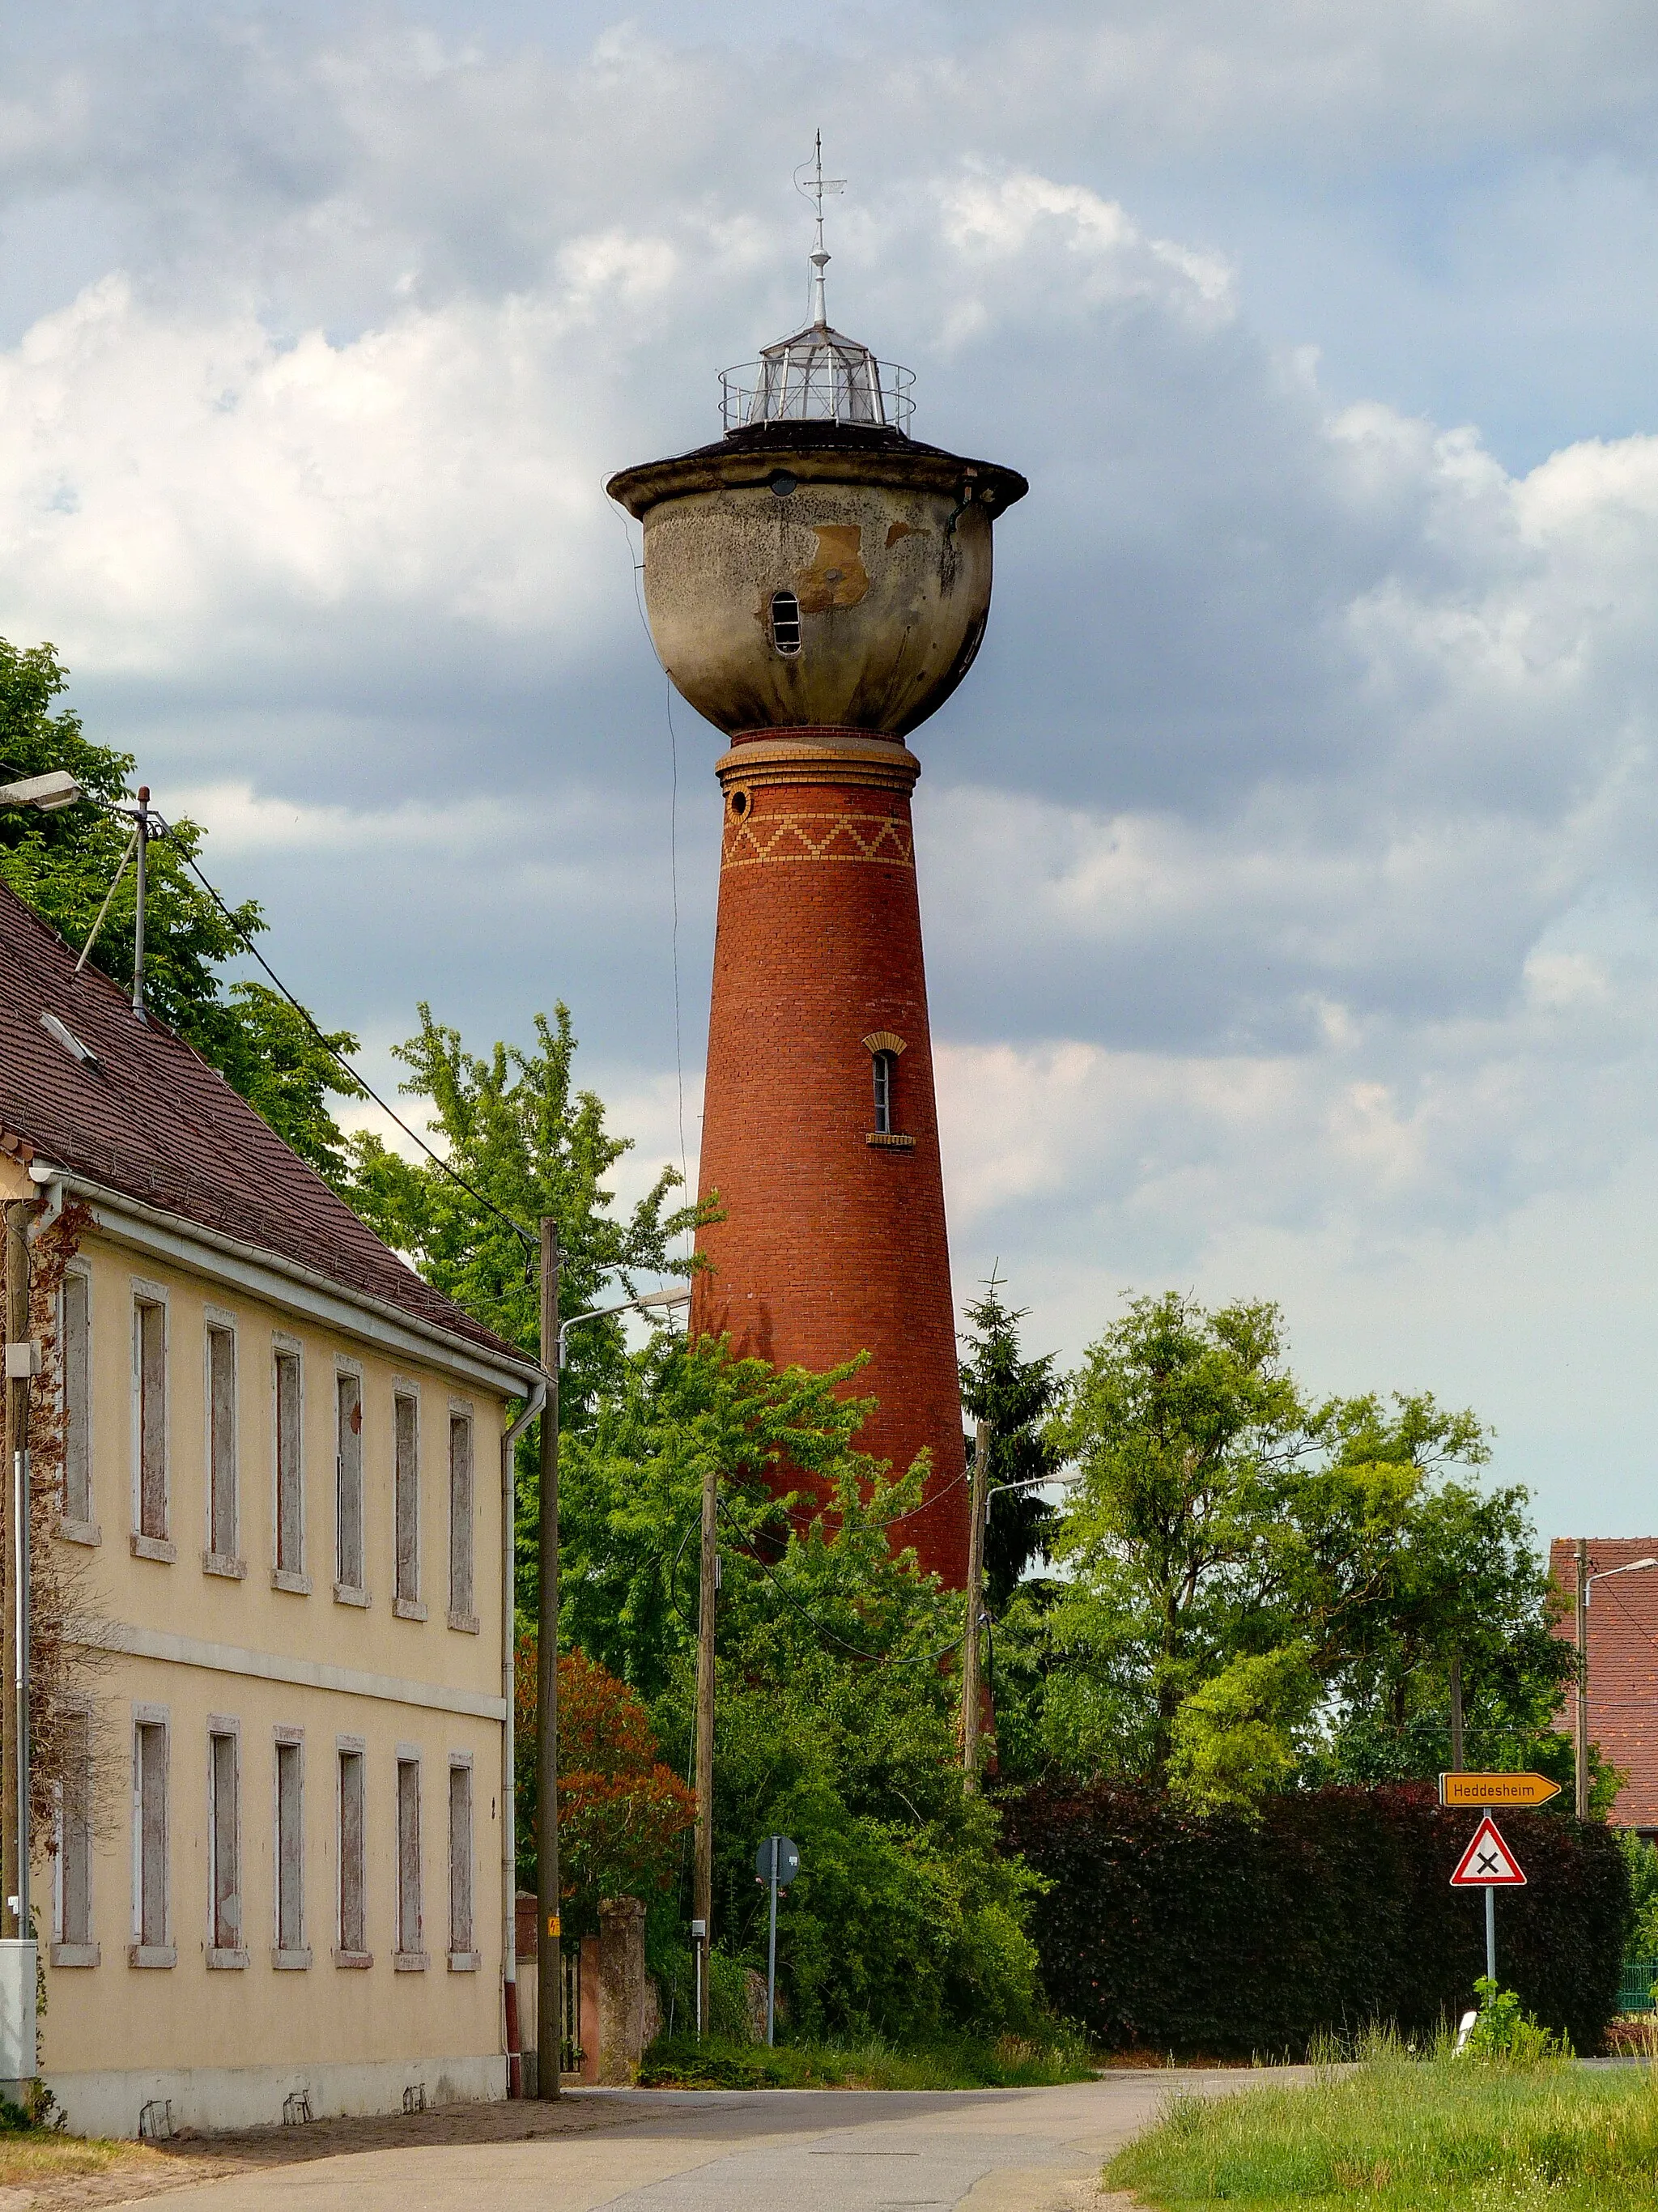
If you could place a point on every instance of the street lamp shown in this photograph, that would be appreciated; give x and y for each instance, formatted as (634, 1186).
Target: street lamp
(47, 794)
(647, 1302)
(1586, 1582)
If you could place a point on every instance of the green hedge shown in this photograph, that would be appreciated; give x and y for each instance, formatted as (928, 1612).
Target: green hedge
(1215, 1937)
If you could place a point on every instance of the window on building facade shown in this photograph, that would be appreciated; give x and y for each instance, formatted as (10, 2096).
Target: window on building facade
(290, 1496)
(222, 1442)
(290, 1847)
(884, 1064)
(406, 1500)
(150, 1856)
(460, 1862)
(408, 1900)
(786, 622)
(149, 1370)
(224, 1845)
(76, 1337)
(353, 1904)
(461, 1594)
(348, 1548)
(74, 1833)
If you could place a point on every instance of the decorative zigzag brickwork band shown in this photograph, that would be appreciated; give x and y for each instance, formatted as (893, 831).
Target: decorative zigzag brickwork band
(860, 838)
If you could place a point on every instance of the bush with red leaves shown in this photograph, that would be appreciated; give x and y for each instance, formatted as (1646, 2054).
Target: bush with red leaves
(621, 1812)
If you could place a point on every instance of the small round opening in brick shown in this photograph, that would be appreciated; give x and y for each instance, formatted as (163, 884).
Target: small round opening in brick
(786, 622)
(739, 804)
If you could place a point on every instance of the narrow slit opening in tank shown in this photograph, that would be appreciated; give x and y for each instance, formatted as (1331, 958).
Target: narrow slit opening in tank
(786, 622)
(883, 1063)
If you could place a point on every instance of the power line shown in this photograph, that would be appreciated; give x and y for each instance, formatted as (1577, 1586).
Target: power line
(807, 1516)
(532, 1243)
(870, 1658)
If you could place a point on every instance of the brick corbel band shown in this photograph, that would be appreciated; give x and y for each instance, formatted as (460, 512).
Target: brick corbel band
(814, 755)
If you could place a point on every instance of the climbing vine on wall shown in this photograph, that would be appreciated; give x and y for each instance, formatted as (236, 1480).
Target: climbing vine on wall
(64, 1655)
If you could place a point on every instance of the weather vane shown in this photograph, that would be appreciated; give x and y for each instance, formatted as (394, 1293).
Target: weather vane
(814, 191)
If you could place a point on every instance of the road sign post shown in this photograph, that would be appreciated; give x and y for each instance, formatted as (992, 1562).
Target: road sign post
(1488, 1865)
(777, 1861)
(699, 1945)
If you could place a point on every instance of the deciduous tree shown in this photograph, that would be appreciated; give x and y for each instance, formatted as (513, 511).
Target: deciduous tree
(64, 865)
(1266, 1586)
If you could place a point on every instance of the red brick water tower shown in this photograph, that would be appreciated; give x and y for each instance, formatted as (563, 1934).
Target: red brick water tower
(817, 583)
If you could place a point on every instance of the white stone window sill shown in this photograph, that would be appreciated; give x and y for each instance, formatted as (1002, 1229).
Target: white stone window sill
(410, 1962)
(348, 1594)
(284, 1578)
(225, 1961)
(152, 1954)
(409, 1608)
(291, 1962)
(356, 1961)
(465, 1624)
(76, 1955)
(154, 1548)
(80, 1531)
(225, 1563)
(465, 1962)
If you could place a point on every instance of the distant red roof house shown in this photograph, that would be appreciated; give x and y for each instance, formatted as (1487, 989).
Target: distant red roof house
(1623, 1649)
(126, 1108)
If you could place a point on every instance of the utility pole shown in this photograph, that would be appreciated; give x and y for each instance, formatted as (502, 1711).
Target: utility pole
(702, 1877)
(550, 1962)
(972, 1673)
(1456, 1712)
(1582, 1742)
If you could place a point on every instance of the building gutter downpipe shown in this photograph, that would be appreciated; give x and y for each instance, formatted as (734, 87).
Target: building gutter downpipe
(534, 1404)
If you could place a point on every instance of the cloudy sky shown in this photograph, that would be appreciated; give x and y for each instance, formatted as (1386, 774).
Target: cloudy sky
(1288, 863)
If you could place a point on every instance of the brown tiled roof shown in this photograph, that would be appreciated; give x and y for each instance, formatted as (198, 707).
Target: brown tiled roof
(153, 1120)
(1622, 1643)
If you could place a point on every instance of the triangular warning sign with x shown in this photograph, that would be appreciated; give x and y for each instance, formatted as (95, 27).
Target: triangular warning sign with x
(1488, 1863)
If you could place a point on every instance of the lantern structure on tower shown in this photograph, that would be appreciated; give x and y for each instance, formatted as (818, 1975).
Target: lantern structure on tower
(817, 583)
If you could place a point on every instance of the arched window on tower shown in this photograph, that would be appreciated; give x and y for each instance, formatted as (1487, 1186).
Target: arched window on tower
(884, 1048)
(786, 622)
(886, 1066)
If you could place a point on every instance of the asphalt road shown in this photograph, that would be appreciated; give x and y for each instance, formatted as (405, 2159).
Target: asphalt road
(769, 2150)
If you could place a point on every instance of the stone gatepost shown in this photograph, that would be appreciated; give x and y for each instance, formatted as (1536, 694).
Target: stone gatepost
(621, 1990)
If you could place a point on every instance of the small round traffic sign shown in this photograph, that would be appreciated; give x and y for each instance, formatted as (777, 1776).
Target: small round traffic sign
(788, 1861)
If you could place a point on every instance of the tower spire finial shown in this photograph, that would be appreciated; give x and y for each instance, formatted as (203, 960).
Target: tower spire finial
(814, 191)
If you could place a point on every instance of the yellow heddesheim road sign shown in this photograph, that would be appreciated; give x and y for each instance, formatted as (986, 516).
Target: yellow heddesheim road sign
(1496, 1790)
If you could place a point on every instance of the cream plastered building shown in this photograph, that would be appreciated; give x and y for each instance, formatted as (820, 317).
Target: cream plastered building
(278, 1875)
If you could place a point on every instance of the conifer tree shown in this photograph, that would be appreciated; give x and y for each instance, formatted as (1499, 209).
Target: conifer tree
(1015, 1395)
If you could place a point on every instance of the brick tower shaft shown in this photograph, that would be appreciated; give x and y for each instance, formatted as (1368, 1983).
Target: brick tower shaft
(819, 1134)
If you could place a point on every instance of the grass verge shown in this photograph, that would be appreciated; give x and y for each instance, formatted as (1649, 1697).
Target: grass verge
(1011, 2062)
(29, 2162)
(1401, 2135)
